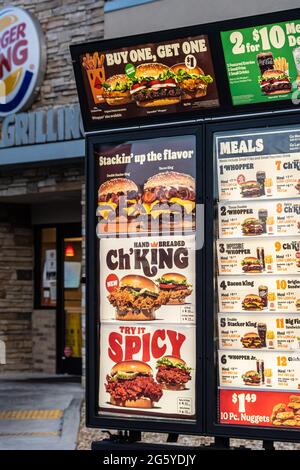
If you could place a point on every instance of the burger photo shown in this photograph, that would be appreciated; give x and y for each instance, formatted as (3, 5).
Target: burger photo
(131, 385)
(298, 186)
(251, 264)
(154, 85)
(119, 205)
(174, 288)
(251, 341)
(297, 304)
(192, 81)
(275, 82)
(172, 373)
(252, 226)
(116, 90)
(250, 189)
(172, 195)
(137, 298)
(251, 378)
(252, 302)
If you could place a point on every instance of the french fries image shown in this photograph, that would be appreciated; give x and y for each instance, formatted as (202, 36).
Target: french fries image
(280, 63)
(93, 64)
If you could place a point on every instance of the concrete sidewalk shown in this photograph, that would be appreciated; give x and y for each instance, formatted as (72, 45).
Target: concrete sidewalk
(38, 413)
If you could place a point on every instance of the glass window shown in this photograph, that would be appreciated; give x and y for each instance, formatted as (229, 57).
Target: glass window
(47, 265)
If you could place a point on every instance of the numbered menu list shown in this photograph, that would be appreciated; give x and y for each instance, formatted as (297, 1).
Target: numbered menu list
(258, 254)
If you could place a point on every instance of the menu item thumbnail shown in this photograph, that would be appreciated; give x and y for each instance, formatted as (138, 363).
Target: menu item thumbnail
(273, 256)
(258, 165)
(174, 288)
(250, 264)
(147, 369)
(172, 373)
(131, 384)
(287, 414)
(136, 298)
(259, 369)
(279, 331)
(258, 294)
(254, 407)
(255, 219)
(148, 279)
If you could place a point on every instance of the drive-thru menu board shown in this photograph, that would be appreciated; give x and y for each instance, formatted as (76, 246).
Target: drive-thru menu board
(147, 283)
(258, 253)
(263, 62)
(147, 80)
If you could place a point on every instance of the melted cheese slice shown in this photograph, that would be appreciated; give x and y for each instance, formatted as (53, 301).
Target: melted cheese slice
(188, 205)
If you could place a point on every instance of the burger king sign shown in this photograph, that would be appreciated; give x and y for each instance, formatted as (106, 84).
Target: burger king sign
(22, 59)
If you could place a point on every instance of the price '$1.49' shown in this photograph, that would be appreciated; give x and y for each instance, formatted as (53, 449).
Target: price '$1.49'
(242, 398)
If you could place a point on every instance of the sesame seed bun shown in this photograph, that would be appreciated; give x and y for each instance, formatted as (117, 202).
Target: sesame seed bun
(170, 178)
(132, 366)
(117, 185)
(139, 403)
(175, 360)
(139, 282)
(150, 70)
(196, 70)
(176, 277)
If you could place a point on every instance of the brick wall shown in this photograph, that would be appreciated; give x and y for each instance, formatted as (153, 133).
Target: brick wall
(16, 265)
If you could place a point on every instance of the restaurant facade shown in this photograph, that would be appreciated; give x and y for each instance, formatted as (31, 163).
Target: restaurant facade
(42, 185)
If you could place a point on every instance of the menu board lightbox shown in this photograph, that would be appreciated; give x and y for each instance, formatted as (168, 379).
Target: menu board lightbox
(263, 62)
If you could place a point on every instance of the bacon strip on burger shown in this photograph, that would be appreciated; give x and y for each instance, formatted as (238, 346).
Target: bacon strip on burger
(174, 288)
(172, 373)
(131, 385)
(136, 298)
(173, 195)
(154, 85)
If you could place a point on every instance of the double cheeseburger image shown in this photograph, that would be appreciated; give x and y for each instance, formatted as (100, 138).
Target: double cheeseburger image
(167, 199)
(251, 227)
(250, 264)
(251, 341)
(250, 189)
(253, 302)
(131, 385)
(172, 373)
(275, 82)
(156, 84)
(251, 377)
(119, 204)
(174, 288)
(136, 298)
(171, 195)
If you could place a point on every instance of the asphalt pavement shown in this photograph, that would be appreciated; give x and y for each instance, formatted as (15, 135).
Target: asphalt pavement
(40, 413)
